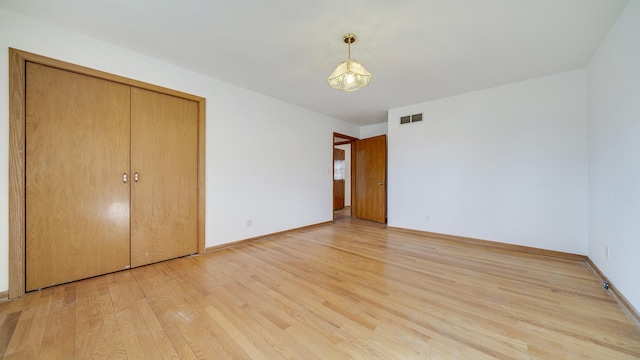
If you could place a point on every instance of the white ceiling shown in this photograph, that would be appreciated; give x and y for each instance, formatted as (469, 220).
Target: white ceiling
(417, 50)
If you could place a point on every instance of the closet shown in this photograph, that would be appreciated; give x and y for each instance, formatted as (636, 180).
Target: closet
(110, 178)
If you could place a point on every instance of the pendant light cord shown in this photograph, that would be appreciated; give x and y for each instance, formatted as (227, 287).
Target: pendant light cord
(349, 55)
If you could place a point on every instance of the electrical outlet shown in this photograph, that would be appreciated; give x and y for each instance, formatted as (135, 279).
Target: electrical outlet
(427, 218)
(606, 251)
(249, 222)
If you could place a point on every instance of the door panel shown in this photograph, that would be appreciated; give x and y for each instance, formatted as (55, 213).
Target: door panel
(164, 154)
(369, 179)
(77, 149)
(338, 179)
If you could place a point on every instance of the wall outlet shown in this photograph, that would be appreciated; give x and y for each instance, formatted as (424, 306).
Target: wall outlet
(427, 218)
(249, 222)
(606, 251)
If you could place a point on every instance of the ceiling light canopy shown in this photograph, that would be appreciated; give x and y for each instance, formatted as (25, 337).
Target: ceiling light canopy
(349, 75)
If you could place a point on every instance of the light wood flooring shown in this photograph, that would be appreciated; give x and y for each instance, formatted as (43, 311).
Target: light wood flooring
(348, 290)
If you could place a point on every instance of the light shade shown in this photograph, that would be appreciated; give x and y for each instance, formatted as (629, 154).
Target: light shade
(349, 75)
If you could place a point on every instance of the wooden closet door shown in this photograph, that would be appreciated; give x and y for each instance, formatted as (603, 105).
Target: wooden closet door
(77, 149)
(164, 154)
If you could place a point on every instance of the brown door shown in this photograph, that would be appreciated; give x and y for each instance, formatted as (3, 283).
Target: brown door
(338, 179)
(164, 154)
(77, 150)
(369, 179)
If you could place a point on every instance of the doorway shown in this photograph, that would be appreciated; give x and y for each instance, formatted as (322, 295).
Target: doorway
(342, 167)
(361, 167)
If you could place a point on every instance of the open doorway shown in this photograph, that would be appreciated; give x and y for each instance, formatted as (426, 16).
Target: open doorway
(342, 167)
(367, 177)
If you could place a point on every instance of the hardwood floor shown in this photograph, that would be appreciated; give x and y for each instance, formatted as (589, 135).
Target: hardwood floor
(351, 290)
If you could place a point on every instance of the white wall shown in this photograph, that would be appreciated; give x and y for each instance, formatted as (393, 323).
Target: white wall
(368, 131)
(347, 175)
(251, 171)
(614, 154)
(506, 164)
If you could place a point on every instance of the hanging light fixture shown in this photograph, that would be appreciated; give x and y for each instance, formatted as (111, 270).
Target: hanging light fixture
(349, 75)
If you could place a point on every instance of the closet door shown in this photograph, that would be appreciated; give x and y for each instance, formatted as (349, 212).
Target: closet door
(164, 160)
(77, 149)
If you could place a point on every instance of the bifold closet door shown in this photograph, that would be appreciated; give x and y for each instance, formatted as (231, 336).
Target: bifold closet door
(164, 163)
(77, 150)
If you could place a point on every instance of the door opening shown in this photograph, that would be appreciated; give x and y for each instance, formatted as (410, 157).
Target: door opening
(363, 186)
(342, 166)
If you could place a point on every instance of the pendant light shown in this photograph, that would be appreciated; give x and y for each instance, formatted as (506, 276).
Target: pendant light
(349, 75)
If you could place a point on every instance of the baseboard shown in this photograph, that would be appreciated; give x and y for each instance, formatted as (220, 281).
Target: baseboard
(631, 311)
(494, 244)
(4, 296)
(261, 237)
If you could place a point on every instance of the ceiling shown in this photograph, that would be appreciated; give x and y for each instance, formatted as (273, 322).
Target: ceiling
(417, 50)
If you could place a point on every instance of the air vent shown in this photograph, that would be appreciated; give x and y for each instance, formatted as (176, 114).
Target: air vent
(410, 118)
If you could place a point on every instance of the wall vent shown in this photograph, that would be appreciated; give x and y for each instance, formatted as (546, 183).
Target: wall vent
(410, 118)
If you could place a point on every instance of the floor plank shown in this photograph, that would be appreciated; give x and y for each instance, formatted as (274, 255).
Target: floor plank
(348, 290)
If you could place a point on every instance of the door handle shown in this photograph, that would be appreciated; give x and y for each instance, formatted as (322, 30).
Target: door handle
(124, 178)
(380, 182)
(135, 176)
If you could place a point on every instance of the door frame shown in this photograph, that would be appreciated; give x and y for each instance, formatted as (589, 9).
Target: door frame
(340, 139)
(17, 119)
(337, 153)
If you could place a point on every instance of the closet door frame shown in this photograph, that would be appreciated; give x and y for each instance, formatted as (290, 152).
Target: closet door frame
(17, 118)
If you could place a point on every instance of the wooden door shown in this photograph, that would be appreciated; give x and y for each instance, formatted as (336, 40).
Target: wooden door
(369, 179)
(164, 155)
(77, 150)
(338, 179)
